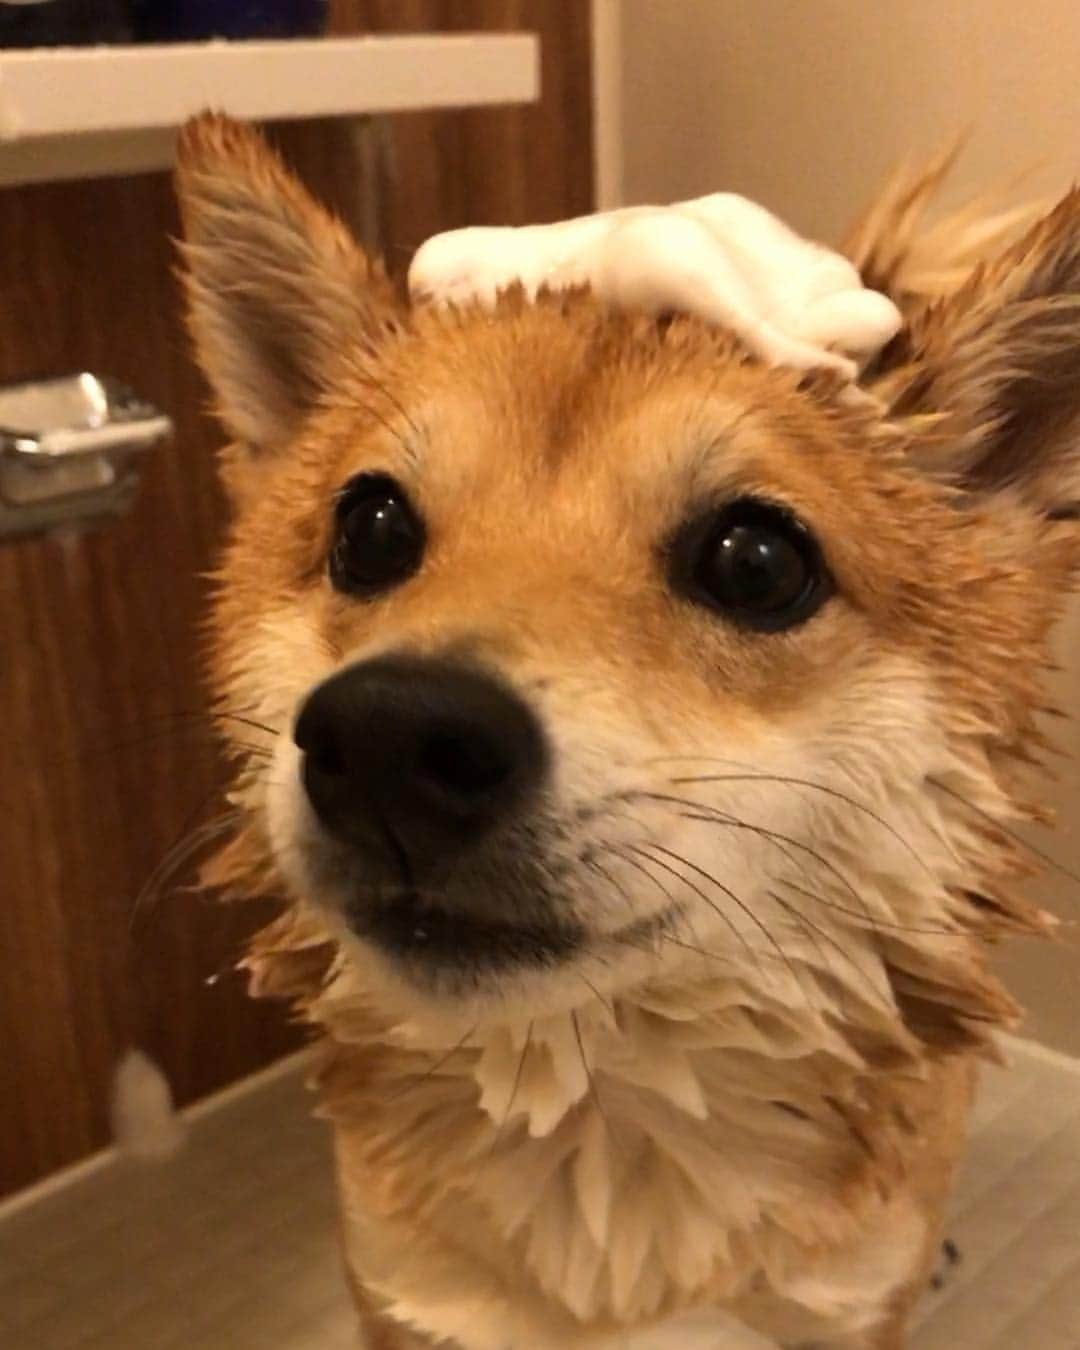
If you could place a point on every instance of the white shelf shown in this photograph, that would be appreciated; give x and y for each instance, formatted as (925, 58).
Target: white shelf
(86, 112)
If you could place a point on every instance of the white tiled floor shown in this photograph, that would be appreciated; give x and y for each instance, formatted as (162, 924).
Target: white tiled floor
(1016, 1217)
(232, 1245)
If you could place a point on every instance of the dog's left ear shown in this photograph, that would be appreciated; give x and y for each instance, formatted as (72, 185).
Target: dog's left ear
(277, 288)
(993, 372)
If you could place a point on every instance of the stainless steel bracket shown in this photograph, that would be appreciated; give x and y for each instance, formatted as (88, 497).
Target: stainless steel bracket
(70, 451)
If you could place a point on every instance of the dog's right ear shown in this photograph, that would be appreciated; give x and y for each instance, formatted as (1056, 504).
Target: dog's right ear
(277, 288)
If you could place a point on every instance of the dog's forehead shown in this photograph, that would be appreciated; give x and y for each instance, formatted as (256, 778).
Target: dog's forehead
(554, 390)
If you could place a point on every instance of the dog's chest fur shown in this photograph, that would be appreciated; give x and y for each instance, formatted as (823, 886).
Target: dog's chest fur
(583, 1202)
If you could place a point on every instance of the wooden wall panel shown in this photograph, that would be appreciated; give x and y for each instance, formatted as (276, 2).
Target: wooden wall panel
(104, 758)
(105, 750)
(505, 166)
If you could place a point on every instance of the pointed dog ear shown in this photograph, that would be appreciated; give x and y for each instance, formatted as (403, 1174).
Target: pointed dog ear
(276, 286)
(994, 369)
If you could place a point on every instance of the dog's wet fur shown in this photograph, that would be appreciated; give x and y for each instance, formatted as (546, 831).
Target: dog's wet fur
(635, 734)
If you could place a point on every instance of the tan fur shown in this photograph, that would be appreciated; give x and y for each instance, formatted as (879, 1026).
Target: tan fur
(913, 259)
(757, 1111)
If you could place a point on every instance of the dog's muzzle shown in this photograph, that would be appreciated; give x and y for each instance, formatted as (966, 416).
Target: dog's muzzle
(417, 764)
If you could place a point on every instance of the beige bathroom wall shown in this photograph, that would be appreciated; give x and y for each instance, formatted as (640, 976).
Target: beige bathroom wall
(806, 107)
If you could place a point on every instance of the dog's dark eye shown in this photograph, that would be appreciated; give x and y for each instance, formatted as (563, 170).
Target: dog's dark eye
(379, 538)
(753, 562)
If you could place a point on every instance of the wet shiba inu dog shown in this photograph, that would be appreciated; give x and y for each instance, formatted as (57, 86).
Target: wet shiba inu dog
(636, 733)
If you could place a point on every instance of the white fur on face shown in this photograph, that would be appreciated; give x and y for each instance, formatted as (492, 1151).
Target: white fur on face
(772, 858)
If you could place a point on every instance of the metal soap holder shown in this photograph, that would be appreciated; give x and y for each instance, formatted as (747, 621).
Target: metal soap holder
(70, 451)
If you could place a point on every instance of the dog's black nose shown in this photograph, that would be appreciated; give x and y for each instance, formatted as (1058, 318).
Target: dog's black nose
(419, 756)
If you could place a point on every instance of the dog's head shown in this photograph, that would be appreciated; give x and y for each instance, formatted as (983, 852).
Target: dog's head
(592, 653)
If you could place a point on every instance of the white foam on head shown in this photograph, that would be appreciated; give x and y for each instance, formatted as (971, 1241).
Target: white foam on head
(722, 258)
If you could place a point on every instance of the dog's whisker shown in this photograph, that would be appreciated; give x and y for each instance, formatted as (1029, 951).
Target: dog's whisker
(590, 862)
(511, 1102)
(591, 1079)
(415, 1083)
(722, 957)
(364, 376)
(189, 727)
(229, 715)
(255, 751)
(702, 811)
(178, 855)
(753, 773)
(630, 862)
(823, 788)
(604, 1003)
(783, 844)
(1009, 834)
(367, 378)
(817, 936)
(727, 891)
(885, 925)
(717, 909)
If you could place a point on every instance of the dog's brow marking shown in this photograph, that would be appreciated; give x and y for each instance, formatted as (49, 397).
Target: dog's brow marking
(711, 448)
(372, 382)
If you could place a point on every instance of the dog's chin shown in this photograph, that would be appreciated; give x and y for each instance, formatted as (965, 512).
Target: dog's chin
(444, 957)
(430, 942)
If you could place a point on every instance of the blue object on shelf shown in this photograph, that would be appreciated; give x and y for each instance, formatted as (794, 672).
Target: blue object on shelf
(191, 20)
(52, 23)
